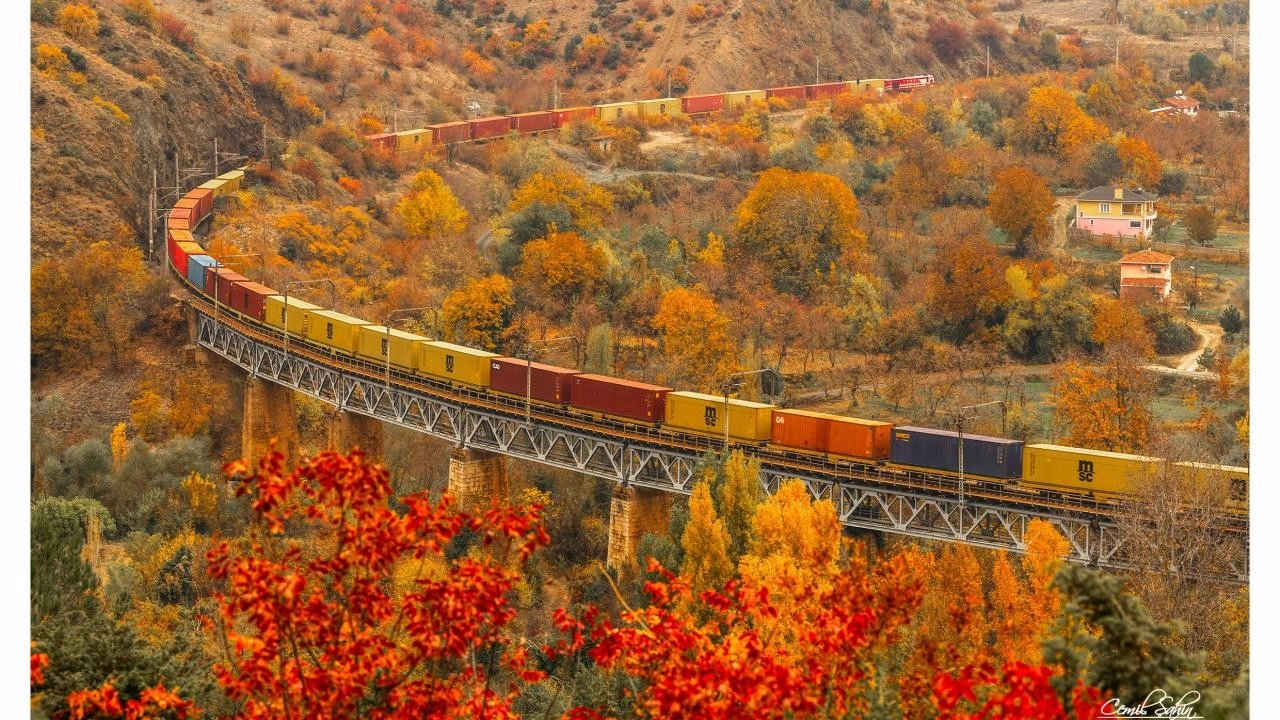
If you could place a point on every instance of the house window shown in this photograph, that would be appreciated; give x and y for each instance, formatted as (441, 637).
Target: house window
(1155, 268)
(1135, 223)
(1104, 208)
(1130, 208)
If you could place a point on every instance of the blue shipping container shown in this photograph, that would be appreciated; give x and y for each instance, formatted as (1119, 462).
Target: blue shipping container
(195, 269)
(939, 450)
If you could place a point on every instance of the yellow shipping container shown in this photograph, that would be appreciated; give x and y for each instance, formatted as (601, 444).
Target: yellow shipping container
(661, 106)
(1237, 479)
(704, 414)
(1104, 475)
(191, 248)
(740, 98)
(231, 184)
(333, 329)
(182, 236)
(616, 111)
(866, 85)
(455, 363)
(375, 342)
(216, 185)
(412, 139)
(296, 318)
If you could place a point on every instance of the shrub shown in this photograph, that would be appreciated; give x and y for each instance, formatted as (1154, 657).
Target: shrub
(142, 13)
(50, 59)
(176, 31)
(947, 38)
(1231, 320)
(79, 22)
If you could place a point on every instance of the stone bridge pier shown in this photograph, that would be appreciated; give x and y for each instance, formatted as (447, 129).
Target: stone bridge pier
(476, 477)
(269, 413)
(348, 430)
(633, 512)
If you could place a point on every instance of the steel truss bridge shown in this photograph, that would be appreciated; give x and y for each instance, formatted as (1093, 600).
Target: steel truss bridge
(868, 497)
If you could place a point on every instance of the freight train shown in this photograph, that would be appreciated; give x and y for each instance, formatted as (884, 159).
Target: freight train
(694, 419)
(547, 120)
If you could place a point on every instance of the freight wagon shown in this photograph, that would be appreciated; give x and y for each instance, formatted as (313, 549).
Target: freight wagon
(192, 205)
(180, 252)
(332, 329)
(377, 343)
(383, 141)
(660, 107)
(545, 383)
(825, 90)
(180, 219)
(1236, 479)
(793, 92)
(616, 111)
(450, 132)
(250, 298)
(490, 127)
(455, 363)
(205, 199)
(622, 399)
(409, 140)
(744, 98)
(1097, 473)
(908, 83)
(692, 104)
(707, 414)
(568, 116)
(834, 435)
(196, 265)
(939, 450)
(288, 318)
(532, 122)
(219, 280)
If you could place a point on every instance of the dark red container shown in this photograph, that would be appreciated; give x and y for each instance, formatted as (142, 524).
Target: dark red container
(547, 383)
(620, 398)
(568, 116)
(205, 198)
(800, 429)
(825, 90)
(177, 256)
(383, 141)
(250, 298)
(450, 132)
(226, 280)
(701, 103)
(532, 122)
(793, 92)
(490, 127)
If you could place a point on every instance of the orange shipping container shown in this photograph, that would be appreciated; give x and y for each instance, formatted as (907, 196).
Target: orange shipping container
(801, 429)
(855, 437)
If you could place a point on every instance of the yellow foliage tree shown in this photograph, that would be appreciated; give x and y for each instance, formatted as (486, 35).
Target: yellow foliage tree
(203, 495)
(51, 60)
(695, 338)
(1140, 161)
(477, 313)
(431, 210)
(1020, 203)
(798, 225)
(559, 271)
(586, 204)
(119, 445)
(705, 542)
(1024, 608)
(1106, 408)
(1053, 123)
(1119, 327)
(147, 415)
(738, 497)
(79, 22)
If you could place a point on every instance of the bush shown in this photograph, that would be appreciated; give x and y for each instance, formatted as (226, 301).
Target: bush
(1172, 335)
(1173, 181)
(1231, 320)
(947, 39)
(1201, 223)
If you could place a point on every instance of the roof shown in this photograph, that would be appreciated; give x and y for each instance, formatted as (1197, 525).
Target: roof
(1107, 193)
(1182, 102)
(1096, 453)
(1147, 257)
(1143, 282)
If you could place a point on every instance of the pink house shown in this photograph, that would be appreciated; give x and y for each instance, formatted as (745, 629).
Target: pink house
(1109, 210)
(1146, 275)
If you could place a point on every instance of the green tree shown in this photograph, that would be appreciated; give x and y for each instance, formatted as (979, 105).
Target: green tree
(1048, 49)
(1231, 320)
(1104, 166)
(1200, 68)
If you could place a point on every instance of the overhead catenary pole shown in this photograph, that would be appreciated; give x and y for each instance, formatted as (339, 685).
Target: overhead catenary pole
(151, 221)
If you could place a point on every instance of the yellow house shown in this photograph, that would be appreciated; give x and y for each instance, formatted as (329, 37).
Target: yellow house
(1109, 210)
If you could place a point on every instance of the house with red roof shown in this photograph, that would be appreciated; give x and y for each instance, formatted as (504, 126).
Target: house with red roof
(1179, 104)
(1146, 275)
(1118, 211)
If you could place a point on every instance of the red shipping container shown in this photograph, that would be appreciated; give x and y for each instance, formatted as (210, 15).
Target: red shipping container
(701, 103)
(800, 429)
(792, 92)
(568, 116)
(532, 122)
(490, 127)
(383, 141)
(547, 383)
(177, 256)
(621, 398)
(205, 196)
(222, 280)
(450, 132)
(825, 90)
(250, 298)
(192, 204)
(855, 437)
(179, 222)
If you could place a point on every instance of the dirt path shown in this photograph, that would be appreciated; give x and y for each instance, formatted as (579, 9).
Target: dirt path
(1210, 337)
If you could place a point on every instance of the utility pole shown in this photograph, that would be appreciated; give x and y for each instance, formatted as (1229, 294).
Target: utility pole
(555, 91)
(988, 61)
(151, 220)
(817, 73)
(668, 83)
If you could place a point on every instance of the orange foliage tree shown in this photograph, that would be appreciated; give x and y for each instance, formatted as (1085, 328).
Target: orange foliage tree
(1107, 407)
(310, 625)
(1140, 161)
(1020, 204)
(478, 313)
(558, 272)
(798, 224)
(1053, 123)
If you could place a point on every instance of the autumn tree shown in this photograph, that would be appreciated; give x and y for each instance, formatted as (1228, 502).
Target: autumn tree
(310, 625)
(695, 338)
(1054, 124)
(1107, 407)
(430, 210)
(738, 495)
(798, 225)
(1028, 602)
(558, 272)
(1201, 223)
(1141, 162)
(1020, 204)
(964, 295)
(478, 313)
(705, 542)
(584, 204)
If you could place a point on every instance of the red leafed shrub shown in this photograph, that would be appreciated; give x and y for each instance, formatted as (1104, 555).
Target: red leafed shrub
(175, 31)
(948, 39)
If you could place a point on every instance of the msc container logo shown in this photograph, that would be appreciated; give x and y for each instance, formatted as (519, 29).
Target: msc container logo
(709, 417)
(1085, 471)
(448, 363)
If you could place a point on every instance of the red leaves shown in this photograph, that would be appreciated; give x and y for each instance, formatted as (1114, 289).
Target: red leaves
(39, 663)
(105, 703)
(317, 616)
(1019, 691)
